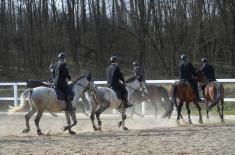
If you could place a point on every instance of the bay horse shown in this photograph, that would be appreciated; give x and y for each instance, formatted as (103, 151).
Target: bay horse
(105, 98)
(44, 98)
(214, 95)
(155, 95)
(183, 91)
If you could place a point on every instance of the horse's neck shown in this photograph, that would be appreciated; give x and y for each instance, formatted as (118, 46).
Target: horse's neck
(78, 89)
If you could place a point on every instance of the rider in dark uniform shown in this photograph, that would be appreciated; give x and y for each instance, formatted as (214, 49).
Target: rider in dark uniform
(115, 80)
(139, 71)
(208, 70)
(60, 75)
(188, 73)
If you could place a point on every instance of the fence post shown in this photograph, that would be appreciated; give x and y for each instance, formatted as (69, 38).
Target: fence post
(15, 94)
(143, 108)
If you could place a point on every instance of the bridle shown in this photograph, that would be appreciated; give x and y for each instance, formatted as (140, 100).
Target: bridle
(86, 88)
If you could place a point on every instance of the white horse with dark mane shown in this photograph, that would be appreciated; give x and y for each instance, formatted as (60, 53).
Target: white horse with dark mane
(104, 98)
(44, 98)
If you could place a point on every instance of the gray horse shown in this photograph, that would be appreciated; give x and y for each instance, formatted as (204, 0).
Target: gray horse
(104, 98)
(44, 98)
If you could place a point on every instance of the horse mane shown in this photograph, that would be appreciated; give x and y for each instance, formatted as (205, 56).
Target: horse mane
(131, 79)
(78, 78)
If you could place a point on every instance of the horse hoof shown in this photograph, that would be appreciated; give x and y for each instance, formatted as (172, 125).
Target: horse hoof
(222, 121)
(99, 123)
(125, 128)
(190, 122)
(25, 131)
(65, 128)
(200, 121)
(72, 133)
(39, 132)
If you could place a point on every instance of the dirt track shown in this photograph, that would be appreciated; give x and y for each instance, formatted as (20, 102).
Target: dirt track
(146, 136)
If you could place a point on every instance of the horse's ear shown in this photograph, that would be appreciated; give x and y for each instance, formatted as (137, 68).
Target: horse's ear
(89, 77)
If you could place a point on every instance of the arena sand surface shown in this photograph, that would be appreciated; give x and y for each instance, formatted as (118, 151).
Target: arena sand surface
(146, 136)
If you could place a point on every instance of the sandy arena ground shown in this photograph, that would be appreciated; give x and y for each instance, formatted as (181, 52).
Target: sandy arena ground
(146, 136)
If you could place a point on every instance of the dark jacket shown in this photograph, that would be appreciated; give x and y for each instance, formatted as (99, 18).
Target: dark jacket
(60, 74)
(187, 71)
(209, 72)
(114, 74)
(139, 72)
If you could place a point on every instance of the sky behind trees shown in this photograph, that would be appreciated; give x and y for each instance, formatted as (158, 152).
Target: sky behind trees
(154, 32)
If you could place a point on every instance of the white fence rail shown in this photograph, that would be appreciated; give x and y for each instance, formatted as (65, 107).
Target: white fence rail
(16, 84)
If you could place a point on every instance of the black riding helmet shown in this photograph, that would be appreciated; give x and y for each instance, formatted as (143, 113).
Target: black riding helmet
(183, 57)
(204, 60)
(135, 63)
(114, 59)
(61, 56)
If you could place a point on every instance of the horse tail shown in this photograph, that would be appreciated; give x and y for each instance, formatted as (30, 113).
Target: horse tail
(172, 101)
(24, 101)
(218, 92)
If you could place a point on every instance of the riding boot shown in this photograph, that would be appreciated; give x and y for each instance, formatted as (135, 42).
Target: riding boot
(126, 103)
(69, 106)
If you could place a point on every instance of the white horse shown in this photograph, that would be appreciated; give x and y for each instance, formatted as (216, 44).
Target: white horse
(44, 98)
(104, 98)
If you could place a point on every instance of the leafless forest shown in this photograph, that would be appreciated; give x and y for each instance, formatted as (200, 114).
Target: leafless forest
(155, 32)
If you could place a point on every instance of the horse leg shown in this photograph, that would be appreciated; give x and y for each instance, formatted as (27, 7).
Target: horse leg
(36, 120)
(207, 109)
(67, 114)
(154, 104)
(222, 110)
(199, 110)
(27, 117)
(92, 116)
(123, 119)
(179, 111)
(189, 112)
(98, 112)
(73, 116)
(218, 109)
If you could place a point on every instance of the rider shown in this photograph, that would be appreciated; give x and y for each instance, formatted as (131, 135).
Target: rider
(208, 70)
(60, 75)
(188, 73)
(139, 71)
(115, 80)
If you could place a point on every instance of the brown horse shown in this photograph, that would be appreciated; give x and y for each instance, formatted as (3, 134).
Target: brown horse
(156, 95)
(182, 91)
(214, 94)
